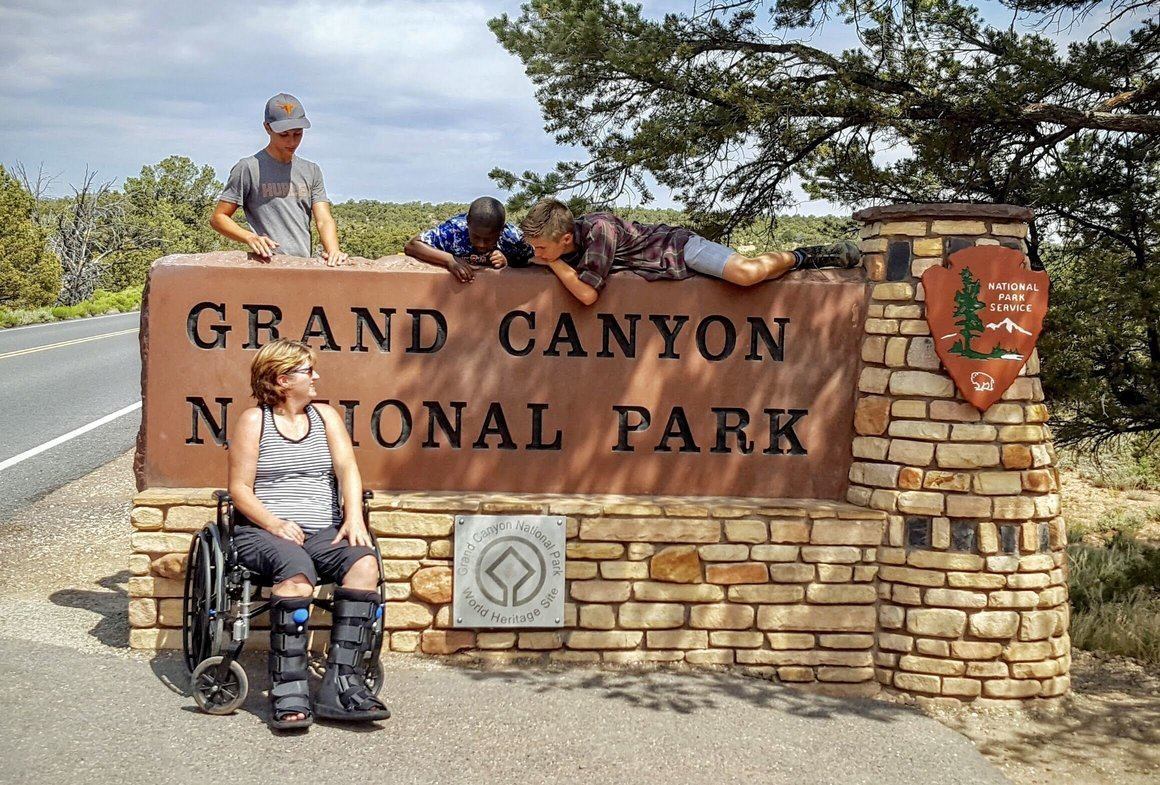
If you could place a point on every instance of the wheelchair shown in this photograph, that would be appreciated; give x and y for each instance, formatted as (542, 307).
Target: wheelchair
(221, 598)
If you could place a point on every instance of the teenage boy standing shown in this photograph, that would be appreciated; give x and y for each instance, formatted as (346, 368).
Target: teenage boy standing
(279, 192)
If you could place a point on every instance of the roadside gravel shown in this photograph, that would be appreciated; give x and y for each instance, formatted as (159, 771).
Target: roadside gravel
(63, 564)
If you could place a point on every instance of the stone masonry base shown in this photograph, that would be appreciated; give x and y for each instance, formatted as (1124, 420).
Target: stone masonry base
(809, 592)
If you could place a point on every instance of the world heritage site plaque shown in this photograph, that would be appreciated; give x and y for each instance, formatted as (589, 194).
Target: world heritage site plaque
(509, 571)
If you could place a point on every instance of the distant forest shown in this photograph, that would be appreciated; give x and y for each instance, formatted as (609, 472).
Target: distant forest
(373, 229)
(61, 250)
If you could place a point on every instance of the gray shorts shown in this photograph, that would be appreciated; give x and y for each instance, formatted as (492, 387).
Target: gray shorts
(707, 257)
(276, 559)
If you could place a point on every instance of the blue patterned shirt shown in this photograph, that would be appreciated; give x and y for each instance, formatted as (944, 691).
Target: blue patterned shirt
(451, 237)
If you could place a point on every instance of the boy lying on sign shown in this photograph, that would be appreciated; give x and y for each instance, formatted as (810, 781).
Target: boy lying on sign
(583, 251)
(480, 237)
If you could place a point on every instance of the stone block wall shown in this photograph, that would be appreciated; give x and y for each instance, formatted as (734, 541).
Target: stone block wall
(783, 588)
(972, 584)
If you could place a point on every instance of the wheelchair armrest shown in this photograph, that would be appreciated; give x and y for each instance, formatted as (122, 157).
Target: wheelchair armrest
(225, 513)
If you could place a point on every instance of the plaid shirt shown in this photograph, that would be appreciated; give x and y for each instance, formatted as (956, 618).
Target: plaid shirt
(451, 237)
(606, 244)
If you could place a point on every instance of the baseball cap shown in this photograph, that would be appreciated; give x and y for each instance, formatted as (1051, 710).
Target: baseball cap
(284, 112)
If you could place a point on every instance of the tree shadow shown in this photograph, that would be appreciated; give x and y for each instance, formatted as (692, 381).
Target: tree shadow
(111, 604)
(687, 693)
(1109, 723)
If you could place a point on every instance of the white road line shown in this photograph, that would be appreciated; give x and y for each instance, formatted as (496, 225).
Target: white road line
(81, 320)
(24, 456)
(34, 349)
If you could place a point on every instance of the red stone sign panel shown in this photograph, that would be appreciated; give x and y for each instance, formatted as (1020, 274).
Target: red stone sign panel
(507, 384)
(985, 310)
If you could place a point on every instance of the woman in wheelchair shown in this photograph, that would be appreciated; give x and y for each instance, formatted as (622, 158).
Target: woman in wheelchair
(288, 458)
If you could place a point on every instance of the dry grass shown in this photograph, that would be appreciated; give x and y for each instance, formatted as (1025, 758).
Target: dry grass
(1115, 595)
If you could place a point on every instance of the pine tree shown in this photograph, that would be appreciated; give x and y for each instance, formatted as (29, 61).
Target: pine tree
(730, 104)
(967, 307)
(29, 273)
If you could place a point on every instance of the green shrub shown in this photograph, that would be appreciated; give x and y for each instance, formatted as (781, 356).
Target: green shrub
(23, 316)
(1112, 573)
(100, 303)
(1125, 464)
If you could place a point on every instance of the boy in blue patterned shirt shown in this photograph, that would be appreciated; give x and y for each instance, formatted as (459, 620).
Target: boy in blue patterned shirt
(478, 237)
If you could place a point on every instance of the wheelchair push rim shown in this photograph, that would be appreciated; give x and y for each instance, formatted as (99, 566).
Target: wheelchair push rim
(202, 601)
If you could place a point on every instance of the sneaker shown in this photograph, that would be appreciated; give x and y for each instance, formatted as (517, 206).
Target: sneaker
(843, 254)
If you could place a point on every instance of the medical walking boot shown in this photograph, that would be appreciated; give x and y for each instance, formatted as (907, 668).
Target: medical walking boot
(344, 694)
(289, 689)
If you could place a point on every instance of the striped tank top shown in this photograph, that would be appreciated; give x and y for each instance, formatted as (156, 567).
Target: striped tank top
(295, 479)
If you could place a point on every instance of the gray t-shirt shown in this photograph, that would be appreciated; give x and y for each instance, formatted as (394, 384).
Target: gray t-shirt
(277, 198)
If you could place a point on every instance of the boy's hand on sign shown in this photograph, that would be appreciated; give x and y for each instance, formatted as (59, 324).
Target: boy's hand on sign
(461, 269)
(261, 245)
(497, 260)
(337, 259)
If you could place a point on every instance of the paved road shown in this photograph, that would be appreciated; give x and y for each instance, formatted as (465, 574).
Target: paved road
(72, 717)
(54, 379)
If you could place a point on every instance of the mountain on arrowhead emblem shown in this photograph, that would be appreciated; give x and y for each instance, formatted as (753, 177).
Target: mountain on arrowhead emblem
(1007, 325)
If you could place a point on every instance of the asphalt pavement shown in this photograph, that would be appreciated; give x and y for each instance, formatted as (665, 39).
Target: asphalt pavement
(71, 717)
(54, 379)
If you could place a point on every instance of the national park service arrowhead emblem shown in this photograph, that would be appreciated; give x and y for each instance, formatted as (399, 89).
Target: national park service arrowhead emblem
(985, 309)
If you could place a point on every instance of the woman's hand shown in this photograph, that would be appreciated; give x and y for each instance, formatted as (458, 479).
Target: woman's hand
(354, 530)
(497, 260)
(287, 530)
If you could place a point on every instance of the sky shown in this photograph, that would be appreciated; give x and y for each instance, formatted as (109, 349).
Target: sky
(410, 100)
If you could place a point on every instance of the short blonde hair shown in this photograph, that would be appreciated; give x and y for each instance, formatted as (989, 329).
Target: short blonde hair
(548, 218)
(273, 360)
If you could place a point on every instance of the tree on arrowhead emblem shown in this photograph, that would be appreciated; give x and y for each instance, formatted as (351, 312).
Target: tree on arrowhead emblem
(967, 307)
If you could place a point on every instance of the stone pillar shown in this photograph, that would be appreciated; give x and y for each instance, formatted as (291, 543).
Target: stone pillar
(973, 598)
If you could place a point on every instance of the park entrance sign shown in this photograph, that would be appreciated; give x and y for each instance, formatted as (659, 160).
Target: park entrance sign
(796, 479)
(507, 384)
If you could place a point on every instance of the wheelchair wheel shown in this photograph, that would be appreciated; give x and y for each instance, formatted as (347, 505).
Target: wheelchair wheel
(218, 693)
(203, 602)
(373, 676)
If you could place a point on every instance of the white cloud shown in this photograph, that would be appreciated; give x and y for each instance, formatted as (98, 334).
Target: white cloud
(410, 99)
